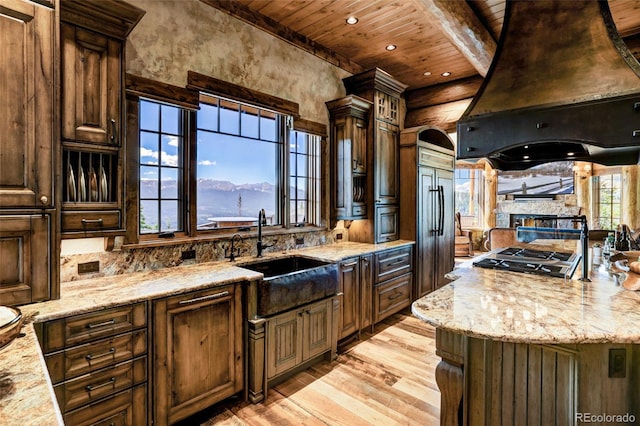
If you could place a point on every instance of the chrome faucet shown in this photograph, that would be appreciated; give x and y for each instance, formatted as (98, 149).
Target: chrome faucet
(262, 220)
(233, 254)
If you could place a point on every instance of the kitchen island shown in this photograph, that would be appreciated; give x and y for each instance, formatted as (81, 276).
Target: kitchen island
(528, 349)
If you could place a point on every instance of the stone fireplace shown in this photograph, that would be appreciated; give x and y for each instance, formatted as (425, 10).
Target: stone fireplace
(536, 212)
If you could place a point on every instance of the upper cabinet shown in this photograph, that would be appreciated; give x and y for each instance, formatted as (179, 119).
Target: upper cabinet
(26, 105)
(349, 121)
(383, 135)
(93, 36)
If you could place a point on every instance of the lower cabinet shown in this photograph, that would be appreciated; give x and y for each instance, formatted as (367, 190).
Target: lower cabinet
(98, 365)
(198, 351)
(393, 280)
(356, 284)
(297, 336)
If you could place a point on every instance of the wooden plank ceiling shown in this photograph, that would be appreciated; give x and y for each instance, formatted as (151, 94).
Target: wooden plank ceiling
(422, 44)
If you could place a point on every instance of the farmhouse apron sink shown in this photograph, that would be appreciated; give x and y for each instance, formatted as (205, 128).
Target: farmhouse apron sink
(293, 281)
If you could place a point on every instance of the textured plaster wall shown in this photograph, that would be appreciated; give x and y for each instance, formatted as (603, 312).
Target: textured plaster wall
(176, 36)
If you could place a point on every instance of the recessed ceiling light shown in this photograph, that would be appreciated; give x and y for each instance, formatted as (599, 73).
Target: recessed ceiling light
(391, 47)
(352, 20)
(446, 74)
(427, 73)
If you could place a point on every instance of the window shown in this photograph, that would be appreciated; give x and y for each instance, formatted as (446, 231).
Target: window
(468, 197)
(304, 177)
(161, 168)
(608, 202)
(209, 164)
(239, 152)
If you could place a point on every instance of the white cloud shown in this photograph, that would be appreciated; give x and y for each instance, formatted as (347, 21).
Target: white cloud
(144, 152)
(169, 160)
(206, 163)
(173, 140)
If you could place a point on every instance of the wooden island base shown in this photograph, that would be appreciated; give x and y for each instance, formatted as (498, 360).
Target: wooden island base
(488, 382)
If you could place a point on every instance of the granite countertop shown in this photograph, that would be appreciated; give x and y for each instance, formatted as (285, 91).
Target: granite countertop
(525, 308)
(26, 393)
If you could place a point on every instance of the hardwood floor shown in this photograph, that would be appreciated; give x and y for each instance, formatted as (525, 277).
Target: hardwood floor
(386, 378)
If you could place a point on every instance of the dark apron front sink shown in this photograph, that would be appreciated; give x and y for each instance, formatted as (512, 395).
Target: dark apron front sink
(293, 281)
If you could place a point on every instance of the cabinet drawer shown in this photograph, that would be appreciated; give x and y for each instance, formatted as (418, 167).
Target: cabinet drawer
(360, 210)
(78, 329)
(99, 384)
(83, 359)
(126, 408)
(90, 221)
(392, 263)
(392, 296)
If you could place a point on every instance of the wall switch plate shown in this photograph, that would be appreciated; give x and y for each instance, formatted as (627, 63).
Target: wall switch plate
(188, 254)
(618, 362)
(88, 267)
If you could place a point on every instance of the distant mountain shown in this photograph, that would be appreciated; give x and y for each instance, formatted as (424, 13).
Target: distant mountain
(218, 198)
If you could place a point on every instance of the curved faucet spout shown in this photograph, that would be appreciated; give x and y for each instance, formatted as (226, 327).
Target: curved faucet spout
(262, 220)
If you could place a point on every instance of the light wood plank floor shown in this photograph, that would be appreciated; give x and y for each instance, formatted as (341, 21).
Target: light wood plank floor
(386, 378)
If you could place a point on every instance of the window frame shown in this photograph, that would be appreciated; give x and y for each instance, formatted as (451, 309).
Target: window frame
(598, 173)
(189, 99)
(479, 168)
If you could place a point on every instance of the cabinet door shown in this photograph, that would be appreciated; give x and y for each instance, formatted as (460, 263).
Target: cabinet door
(366, 291)
(386, 159)
(387, 223)
(24, 259)
(198, 351)
(91, 86)
(350, 306)
(316, 329)
(284, 350)
(26, 105)
(426, 238)
(446, 241)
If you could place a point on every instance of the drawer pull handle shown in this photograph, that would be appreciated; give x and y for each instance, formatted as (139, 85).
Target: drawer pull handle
(395, 296)
(101, 324)
(90, 221)
(91, 357)
(111, 381)
(203, 298)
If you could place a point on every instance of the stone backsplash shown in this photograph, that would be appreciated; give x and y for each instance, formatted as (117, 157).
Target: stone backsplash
(137, 259)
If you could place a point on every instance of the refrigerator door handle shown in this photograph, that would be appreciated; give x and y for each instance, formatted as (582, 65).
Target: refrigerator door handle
(436, 201)
(441, 210)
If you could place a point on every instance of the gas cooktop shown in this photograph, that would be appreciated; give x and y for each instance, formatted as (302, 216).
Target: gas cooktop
(518, 259)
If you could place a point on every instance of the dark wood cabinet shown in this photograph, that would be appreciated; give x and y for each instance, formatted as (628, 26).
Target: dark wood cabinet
(349, 159)
(27, 105)
(98, 365)
(393, 281)
(29, 266)
(198, 351)
(356, 285)
(93, 37)
(383, 130)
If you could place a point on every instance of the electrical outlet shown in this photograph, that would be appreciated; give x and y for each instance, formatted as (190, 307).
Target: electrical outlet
(300, 241)
(339, 236)
(88, 267)
(188, 254)
(618, 362)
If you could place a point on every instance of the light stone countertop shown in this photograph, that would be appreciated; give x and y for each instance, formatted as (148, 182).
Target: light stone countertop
(26, 393)
(525, 308)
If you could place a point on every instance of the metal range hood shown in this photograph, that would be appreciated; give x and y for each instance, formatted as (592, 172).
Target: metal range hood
(562, 86)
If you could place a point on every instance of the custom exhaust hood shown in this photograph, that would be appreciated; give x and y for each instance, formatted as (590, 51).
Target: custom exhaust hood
(562, 86)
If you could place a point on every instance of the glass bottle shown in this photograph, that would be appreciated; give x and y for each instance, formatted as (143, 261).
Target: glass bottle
(623, 243)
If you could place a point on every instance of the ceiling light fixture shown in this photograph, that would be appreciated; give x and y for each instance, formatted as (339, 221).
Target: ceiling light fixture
(446, 74)
(526, 157)
(570, 154)
(352, 20)
(427, 73)
(391, 47)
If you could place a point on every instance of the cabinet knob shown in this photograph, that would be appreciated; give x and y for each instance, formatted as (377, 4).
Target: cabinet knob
(44, 199)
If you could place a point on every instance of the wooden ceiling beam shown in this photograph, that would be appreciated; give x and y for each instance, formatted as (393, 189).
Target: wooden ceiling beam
(463, 28)
(442, 93)
(284, 33)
